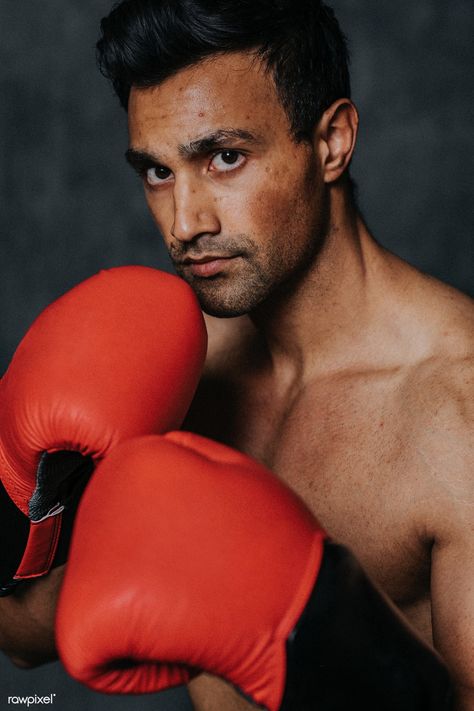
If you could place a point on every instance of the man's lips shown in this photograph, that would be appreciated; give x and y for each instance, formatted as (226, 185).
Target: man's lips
(209, 264)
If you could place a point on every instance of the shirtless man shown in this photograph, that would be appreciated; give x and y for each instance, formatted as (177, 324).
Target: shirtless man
(345, 370)
(339, 366)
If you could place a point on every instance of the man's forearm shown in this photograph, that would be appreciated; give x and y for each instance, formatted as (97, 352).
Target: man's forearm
(27, 621)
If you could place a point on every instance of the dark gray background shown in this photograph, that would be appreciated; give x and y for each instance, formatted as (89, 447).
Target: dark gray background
(70, 205)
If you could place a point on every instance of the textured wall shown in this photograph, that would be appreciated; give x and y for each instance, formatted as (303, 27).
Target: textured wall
(70, 205)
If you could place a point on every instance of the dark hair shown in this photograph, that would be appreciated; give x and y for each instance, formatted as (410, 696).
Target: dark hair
(145, 41)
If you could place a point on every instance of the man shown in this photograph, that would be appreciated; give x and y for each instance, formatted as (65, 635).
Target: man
(340, 367)
(346, 371)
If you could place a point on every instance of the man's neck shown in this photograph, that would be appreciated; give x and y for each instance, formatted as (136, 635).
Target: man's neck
(317, 324)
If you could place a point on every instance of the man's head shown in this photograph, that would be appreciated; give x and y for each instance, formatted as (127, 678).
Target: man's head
(299, 42)
(239, 118)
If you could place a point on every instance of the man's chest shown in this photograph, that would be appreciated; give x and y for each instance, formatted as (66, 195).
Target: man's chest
(345, 451)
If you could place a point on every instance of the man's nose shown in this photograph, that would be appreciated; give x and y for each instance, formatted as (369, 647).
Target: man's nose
(194, 212)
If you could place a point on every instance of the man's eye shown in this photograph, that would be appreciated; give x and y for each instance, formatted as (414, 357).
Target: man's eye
(227, 160)
(157, 175)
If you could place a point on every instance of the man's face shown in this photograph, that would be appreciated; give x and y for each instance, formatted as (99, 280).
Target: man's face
(240, 204)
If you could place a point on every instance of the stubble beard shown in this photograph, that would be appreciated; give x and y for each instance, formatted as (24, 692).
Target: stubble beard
(257, 275)
(260, 273)
(239, 288)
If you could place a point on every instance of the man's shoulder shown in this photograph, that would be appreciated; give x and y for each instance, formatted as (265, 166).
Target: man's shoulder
(445, 311)
(440, 392)
(431, 395)
(439, 349)
(438, 398)
(443, 380)
(440, 387)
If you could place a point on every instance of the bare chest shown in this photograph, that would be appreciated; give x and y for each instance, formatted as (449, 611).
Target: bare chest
(346, 453)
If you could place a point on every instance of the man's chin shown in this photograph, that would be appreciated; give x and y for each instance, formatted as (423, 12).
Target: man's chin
(227, 295)
(224, 305)
(221, 311)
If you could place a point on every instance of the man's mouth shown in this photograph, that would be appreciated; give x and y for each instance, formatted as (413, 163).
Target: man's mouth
(207, 265)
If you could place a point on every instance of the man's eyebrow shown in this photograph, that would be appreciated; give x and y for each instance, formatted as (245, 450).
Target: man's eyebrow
(216, 139)
(142, 160)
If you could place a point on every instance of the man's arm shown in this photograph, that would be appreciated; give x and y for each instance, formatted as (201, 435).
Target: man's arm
(451, 457)
(453, 606)
(27, 621)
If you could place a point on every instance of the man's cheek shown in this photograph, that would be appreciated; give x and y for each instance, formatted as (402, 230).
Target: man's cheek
(267, 212)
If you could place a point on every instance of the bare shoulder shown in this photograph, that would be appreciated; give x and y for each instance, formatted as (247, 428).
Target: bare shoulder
(447, 313)
(437, 329)
(443, 380)
(438, 396)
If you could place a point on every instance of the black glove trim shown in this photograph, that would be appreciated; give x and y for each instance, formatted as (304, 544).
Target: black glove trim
(352, 649)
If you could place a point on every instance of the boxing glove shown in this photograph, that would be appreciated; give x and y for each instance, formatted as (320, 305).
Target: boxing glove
(187, 556)
(117, 356)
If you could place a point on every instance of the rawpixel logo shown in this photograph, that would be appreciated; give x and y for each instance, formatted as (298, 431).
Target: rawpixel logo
(31, 700)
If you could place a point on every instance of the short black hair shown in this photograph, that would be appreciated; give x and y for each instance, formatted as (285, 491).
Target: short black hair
(143, 42)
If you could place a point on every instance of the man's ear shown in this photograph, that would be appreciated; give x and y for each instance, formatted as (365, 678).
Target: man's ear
(336, 136)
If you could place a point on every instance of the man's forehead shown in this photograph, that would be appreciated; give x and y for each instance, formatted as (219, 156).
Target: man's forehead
(226, 90)
(228, 82)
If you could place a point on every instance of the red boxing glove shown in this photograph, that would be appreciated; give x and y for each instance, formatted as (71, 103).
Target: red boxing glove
(185, 554)
(118, 356)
